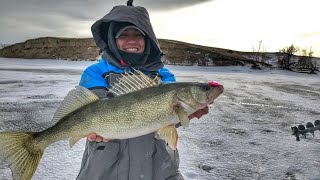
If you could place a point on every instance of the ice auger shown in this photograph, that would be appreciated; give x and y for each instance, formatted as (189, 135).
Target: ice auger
(303, 130)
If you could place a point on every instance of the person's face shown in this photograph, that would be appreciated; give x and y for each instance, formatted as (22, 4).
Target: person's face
(131, 41)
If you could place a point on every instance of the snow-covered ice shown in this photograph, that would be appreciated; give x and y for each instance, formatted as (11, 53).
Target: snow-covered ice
(246, 135)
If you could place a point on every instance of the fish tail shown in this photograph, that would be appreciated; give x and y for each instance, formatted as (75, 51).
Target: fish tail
(21, 153)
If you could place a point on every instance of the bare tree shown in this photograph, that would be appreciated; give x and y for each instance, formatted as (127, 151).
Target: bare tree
(309, 64)
(285, 61)
(259, 52)
(304, 61)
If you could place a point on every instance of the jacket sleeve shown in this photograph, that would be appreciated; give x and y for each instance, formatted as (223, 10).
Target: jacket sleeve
(166, 76)
(92, 77)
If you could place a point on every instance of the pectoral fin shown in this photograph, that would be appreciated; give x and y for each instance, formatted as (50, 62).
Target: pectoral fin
(170, 135)
(74, 140)
(183, 117)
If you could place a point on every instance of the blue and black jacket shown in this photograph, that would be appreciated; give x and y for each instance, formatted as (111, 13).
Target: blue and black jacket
(96, 75)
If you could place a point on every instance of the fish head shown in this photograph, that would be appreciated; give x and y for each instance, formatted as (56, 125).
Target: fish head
(195, 96)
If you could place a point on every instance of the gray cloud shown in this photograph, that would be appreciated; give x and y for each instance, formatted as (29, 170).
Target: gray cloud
(21, 20)
(167, 4)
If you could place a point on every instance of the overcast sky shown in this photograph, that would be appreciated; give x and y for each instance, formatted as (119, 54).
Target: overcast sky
(231, 24)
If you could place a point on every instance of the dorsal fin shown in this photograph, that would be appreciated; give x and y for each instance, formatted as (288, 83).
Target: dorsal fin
(130, 82)
(75, 99)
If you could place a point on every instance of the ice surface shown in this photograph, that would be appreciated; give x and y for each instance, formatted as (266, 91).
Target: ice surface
(246, 135)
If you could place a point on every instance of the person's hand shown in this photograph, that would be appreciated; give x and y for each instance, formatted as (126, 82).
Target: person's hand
(198, 114)
(94, 137)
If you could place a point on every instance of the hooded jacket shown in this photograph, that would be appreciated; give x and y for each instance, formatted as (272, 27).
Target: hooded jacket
(104, 31)
(143, 157)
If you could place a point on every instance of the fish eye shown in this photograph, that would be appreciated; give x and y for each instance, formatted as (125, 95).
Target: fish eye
(207, 87)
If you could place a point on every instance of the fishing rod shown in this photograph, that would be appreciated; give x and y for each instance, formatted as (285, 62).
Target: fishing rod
(303, 130)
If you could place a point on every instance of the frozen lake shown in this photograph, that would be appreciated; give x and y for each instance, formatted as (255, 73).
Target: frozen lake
(246, 135)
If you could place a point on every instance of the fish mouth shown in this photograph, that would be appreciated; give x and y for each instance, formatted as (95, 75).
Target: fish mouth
(212, 95)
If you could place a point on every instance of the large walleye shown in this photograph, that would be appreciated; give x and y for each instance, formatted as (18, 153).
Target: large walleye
(135, 111)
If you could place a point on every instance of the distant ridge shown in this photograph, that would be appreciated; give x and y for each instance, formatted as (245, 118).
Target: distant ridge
(176, 52)
(53, 48)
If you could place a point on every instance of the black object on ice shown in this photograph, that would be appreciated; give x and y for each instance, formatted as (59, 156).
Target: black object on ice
(295, 132)
(310, 125)
(302, 130)
(129, 3)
